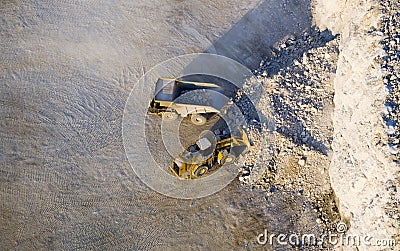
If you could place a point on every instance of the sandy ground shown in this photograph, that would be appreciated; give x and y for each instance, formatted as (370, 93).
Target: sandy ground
(67, 68)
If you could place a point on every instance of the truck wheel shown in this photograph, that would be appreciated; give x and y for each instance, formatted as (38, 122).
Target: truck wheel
(200, 171)
(170, 115)
(228, 159)
(198, 119)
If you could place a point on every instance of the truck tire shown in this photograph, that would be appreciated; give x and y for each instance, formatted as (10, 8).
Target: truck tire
(170, 115)
(200, 171)
(198, 119)
(228, 159)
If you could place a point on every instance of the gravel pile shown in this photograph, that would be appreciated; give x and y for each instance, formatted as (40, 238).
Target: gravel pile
(389, 30)
(298, 91)
(303, 89)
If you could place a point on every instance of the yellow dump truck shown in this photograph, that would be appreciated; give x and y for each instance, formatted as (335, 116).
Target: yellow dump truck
(169, 103)
(209, 153)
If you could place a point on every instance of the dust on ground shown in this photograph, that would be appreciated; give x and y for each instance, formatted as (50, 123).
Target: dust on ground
(67, 69)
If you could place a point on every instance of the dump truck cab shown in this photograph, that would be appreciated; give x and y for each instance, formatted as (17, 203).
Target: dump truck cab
(170, 102)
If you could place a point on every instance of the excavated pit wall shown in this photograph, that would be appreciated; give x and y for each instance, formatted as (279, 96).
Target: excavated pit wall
(361, 166)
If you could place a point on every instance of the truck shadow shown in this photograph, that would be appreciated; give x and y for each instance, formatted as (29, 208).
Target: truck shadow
(252, 39)
(265, 39)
